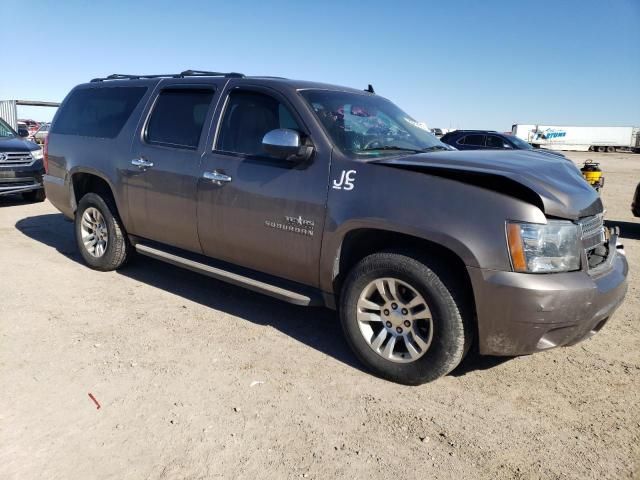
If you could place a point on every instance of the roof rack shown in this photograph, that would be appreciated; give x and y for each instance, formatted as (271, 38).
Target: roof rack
(186, 73)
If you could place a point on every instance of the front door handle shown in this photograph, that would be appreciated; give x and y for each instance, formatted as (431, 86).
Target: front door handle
(217, 177)
(141, 163)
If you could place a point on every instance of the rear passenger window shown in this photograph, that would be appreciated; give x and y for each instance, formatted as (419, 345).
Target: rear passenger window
(178, 117)
(476, 140)
(97, 112)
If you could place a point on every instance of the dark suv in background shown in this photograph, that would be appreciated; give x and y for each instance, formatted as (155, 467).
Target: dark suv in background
(488, 140)
(324, 195)
(21, 166)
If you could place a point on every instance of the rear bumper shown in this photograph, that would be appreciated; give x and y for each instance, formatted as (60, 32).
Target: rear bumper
(524, 313)
(59, 194)
(15, 179)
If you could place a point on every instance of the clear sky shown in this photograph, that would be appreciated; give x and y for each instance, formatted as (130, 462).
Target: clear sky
(465, 64)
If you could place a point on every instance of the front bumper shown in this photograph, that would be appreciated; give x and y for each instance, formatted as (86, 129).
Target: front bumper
(18, 179)
(521, 313)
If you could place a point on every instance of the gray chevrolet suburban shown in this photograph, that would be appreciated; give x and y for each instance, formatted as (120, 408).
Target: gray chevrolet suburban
(324, 195)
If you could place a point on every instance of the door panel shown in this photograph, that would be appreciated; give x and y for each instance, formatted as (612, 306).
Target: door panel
(270, 215)
(245, 221)
(162, 204)
(164, 169)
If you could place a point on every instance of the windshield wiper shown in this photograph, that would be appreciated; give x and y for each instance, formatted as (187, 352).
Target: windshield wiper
(435, 147)
(392, 147)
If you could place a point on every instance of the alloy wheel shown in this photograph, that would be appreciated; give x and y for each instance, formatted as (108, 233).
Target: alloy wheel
(95, 236)
(395, 320)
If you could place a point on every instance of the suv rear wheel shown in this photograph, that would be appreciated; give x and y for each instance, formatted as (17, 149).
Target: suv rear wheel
(99, 234)
(405, 317)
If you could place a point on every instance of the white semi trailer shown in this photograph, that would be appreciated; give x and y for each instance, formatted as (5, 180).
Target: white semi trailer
(582, 139)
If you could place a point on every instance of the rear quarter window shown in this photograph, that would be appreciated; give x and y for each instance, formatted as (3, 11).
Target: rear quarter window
(97, 112)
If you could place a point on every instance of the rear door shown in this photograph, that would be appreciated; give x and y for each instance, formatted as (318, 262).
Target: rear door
(269, 214)
(164, 167)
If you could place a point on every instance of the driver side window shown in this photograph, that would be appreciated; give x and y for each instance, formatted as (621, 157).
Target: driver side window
(494, 141)
(248, 116)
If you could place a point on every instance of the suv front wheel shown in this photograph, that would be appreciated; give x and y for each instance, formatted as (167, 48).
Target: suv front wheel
(407, 319)
(99, 234)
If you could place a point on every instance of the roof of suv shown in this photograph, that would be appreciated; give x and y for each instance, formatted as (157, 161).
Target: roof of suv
(477, 131)
(190, 74)
(459, 133)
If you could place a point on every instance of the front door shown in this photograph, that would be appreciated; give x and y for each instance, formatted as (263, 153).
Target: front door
(164, 169)
(496, 143)
(254, 210)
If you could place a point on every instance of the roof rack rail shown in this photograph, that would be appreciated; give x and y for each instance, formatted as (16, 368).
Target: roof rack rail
(204, 73)
(186, 73)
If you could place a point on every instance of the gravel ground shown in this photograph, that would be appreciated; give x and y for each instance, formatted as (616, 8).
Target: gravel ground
(199, 379)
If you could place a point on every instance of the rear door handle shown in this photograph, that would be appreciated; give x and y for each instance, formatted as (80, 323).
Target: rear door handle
(141, 163)
(217, 177)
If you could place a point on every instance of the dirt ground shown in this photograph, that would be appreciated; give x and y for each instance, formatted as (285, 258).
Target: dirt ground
(198, 379)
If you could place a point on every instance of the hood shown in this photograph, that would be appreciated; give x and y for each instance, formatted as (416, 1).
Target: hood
(549, 181)
(16, 144)
(555, 153)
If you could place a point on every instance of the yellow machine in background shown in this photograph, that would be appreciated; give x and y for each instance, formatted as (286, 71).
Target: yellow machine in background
(593, 174)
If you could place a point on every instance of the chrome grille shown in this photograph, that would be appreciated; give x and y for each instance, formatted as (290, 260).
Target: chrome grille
(15, 159)
(593, 233)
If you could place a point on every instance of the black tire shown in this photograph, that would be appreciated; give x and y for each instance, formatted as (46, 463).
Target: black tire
(118, 247)
(602, 149)
(611, 149)
(34, 195)
(451, 307)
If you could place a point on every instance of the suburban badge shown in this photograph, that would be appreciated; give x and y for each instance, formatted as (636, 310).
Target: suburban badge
(297, 225)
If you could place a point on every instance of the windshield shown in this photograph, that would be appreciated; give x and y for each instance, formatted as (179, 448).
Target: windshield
(521, 144)
(5, 130)
(366, 126)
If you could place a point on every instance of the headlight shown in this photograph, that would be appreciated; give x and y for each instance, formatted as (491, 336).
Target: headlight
(536, 248)
(37, 154)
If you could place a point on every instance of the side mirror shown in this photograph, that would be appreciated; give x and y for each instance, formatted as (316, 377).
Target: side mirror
(286, 144)
(23, 133)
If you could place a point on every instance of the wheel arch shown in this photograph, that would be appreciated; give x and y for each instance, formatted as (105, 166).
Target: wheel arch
(358, 243)
(83, 181)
